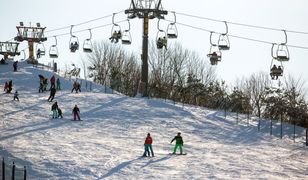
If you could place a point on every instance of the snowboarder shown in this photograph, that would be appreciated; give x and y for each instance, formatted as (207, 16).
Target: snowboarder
(60, 113)
(52, 94)
(76, 113)
(148, 146)
(16, 96)
(178, 143)
(54, 109)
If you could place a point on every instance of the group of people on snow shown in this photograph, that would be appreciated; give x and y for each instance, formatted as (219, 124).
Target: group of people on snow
(57, 112)
(8, 86)
(148, 145)
(76, 87)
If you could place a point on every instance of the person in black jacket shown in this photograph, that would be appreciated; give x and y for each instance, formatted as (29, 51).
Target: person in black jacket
(178, 143)
(76, 113)
(54, 109)
(52, 93)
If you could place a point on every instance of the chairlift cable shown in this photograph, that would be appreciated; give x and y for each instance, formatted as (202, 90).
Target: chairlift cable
(242, 24)
(85, 22)
(239, 37)
(87, 29)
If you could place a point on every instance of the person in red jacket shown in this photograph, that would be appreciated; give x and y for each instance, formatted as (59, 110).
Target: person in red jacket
(148, 146)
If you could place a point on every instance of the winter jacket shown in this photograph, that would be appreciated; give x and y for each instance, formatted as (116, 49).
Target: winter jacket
(75, 110)
(178, 140)
(54, 106)
(148, 140)
(52, 80)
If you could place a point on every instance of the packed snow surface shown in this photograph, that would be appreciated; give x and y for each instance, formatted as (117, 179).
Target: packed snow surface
(108, 143)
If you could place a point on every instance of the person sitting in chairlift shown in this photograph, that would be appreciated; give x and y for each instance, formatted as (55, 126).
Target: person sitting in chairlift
(114, 36)
(279, 70)
(164, 41)
(213, 58)
(273, 72)
(119, 35)
(160, 43)
(38, 54)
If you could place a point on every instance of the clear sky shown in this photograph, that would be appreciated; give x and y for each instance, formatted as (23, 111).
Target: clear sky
(243, 58)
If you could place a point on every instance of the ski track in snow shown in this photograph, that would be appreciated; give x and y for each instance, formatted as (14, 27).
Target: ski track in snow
(108, 143)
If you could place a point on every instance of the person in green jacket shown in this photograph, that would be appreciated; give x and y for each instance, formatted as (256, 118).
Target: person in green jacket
(178, 143)
(58, 84)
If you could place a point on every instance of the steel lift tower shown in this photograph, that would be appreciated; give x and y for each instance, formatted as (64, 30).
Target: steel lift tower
(32, 35)
(145, 9)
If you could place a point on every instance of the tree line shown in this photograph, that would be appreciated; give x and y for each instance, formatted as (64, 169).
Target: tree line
(181, 75)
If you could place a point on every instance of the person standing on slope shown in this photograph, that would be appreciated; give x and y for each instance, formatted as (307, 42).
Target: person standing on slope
(53, 81)
(148, 146)
(58, 84)
(178, 143)
(52, 93)
(76, 113)
(54, 109)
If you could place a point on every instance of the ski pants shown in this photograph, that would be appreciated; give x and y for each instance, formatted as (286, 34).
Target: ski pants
(147, 149)
(76, 115)
(176, 147)
(54, 113)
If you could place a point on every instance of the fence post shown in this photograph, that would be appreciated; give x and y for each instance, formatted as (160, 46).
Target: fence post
(281, 126)
(3, 169)
(294, 132)
(271, 127)
(259, 124)
(306, 136)
(13, 171)
(25, 173)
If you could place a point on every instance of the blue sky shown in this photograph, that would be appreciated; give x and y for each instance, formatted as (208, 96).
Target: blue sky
(245, 57)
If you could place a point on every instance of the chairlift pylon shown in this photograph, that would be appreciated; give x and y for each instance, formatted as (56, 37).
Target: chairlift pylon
(74, 42)
(87, 44)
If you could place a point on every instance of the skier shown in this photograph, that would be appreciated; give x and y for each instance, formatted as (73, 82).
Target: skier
(148, 146)
(76, 113)
(52, 94)
(16, 96)
(178, 143)
(54, 109)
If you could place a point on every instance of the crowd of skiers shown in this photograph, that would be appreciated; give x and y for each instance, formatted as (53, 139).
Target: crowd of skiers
(55, 85)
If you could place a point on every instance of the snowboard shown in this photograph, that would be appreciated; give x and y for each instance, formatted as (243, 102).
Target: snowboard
(178, 154)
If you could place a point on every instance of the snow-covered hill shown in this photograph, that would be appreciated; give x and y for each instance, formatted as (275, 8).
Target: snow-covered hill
(108, 143)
